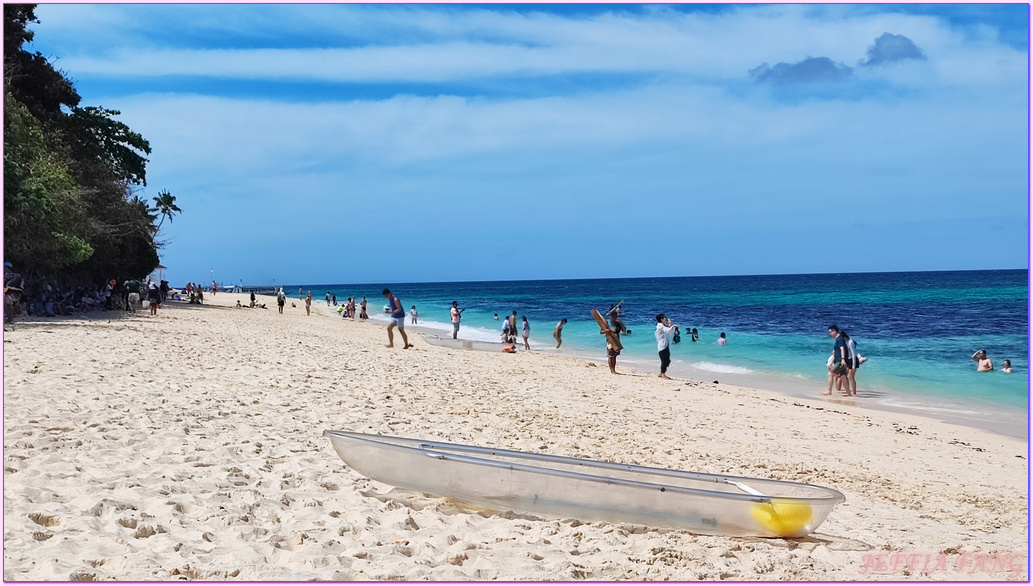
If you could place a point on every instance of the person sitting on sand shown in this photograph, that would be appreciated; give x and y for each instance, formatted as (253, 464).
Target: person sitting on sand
(983, 364)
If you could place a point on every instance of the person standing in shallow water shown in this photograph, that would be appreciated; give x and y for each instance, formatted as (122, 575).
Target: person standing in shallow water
(457, 316)
(983, 363)
(839, 360)
(397, 317)
(526, 332)
(558, 332)
(852, 363)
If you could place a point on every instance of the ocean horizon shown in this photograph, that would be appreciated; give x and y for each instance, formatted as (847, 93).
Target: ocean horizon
(917, 329)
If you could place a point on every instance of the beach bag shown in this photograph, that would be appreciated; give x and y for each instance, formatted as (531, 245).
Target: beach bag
(839, 369)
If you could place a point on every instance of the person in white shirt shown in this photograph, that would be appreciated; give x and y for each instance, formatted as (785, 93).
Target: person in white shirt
(664, 333)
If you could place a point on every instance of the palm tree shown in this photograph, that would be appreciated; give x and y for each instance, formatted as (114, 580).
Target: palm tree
(165, 204)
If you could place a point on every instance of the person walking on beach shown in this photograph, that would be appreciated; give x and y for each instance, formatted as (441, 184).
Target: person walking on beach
(133, 299)
(333, 300)
(839, 358)
(526, 331)
(281, 298)
(362, 309)
(414, 314)
(558, 332)
(153, 297)
(612, 352)
(328, 299)
(308, 303)
(457, 316)
(852, 363)
(664, 332)
(983, 363)
(397, 320)
(252, 299)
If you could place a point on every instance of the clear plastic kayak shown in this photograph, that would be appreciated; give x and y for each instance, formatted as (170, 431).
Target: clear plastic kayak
(589, 490)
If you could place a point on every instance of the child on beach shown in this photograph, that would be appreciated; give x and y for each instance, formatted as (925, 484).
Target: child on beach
(414, 314)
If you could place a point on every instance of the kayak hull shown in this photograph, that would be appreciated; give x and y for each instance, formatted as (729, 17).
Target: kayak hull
(589, 490)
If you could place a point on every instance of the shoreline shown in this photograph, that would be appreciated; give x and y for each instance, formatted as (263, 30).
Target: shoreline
(189, 445)
(997, 420)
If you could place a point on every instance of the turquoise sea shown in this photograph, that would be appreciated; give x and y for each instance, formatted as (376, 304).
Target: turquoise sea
(917, 329)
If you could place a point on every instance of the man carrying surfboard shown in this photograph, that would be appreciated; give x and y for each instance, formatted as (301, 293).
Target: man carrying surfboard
(615, 318)
(613, 349)
(613, 341)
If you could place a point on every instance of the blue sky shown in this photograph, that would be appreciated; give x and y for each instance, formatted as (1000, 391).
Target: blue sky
(387, 143)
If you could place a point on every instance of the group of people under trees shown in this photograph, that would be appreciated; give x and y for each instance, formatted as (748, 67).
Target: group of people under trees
(48, 297)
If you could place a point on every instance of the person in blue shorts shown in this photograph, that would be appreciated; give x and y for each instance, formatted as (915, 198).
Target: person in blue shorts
(397, 320)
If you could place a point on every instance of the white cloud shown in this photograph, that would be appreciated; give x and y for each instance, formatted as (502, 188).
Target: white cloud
(405, 44)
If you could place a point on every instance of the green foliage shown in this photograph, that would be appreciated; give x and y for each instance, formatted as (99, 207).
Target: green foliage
(105, 149)
(165, 204)
(69, 208)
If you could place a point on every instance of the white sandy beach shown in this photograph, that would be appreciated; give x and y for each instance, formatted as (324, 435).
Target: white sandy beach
(189, 446)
